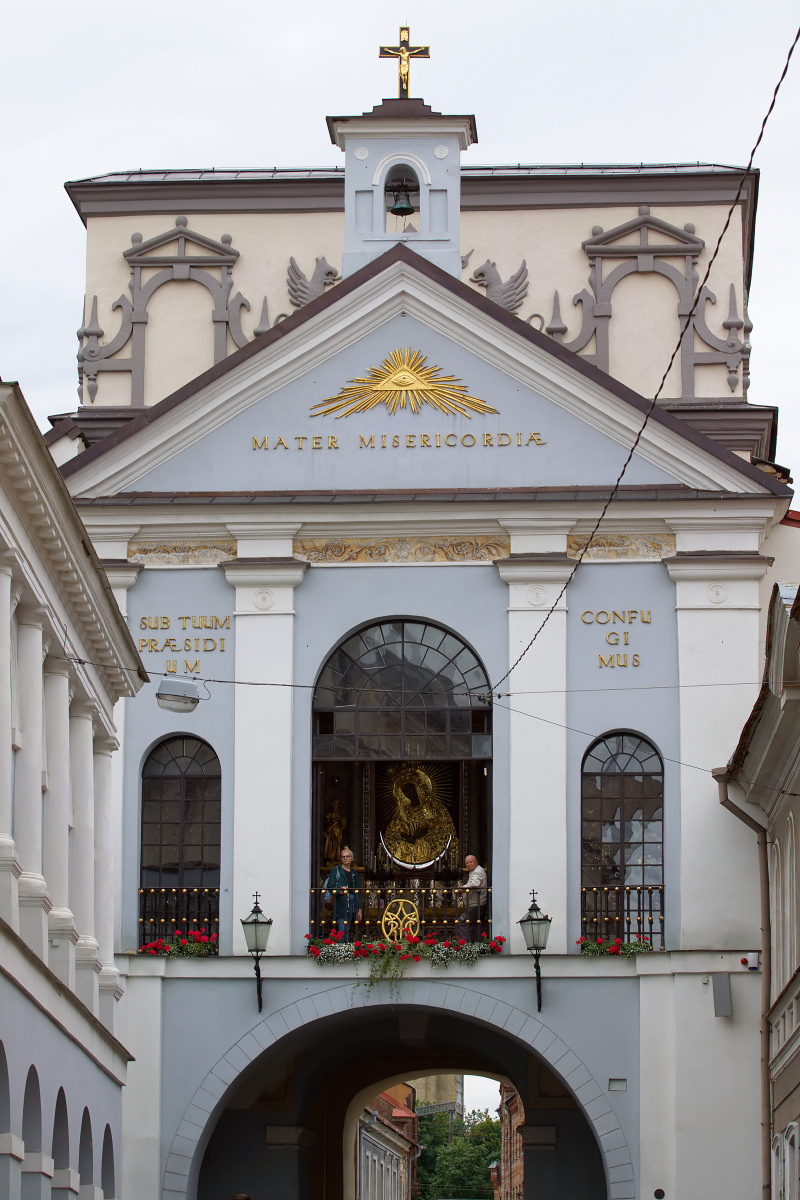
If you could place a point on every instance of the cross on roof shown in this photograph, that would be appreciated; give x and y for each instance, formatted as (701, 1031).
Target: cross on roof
(404, 52)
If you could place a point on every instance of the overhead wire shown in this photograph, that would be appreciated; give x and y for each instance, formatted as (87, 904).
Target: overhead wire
(649, 412)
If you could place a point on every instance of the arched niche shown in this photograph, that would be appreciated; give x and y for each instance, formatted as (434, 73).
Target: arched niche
(86, 1151)
(32, 1114)
(107, 1173)
(5, 1093)
(60, 1147)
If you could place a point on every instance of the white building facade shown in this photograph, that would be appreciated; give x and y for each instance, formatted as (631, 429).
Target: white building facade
(66, 661)
(352, 523)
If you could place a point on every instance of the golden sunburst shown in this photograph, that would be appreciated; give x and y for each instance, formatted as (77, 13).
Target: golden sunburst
(402, 378)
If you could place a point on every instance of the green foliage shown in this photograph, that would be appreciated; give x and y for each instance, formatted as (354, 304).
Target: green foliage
(462, 1171)
(594, 947)
(459, 1170)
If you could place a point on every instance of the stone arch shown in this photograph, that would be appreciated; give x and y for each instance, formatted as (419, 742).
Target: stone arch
(60, 1146)
(32, 1114)
(107, 1172)
(86, 1151)
(5, 1093)
(188, 1144)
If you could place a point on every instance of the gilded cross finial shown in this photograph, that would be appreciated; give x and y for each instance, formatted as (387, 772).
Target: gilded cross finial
(404, 52)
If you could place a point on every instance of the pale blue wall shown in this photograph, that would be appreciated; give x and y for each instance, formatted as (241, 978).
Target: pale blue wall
(225, 460)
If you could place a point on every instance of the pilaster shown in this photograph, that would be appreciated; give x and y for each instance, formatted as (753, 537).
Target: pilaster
(538, 735)
(55, 836)
(104, 880)
(719, 665)
(37, 1176)
(34, 902)
(264, 616)
(12, 1152)
(66, 1184)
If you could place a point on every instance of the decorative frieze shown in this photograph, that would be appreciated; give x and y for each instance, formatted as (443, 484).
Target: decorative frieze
(182, 554)
(401, 549)
(632, 546)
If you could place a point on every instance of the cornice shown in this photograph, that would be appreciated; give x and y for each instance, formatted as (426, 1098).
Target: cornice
(717, 564)
(52, 522)
(270, 572)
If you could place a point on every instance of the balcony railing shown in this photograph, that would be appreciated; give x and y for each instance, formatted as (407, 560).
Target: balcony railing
(165, 911)
(438, 908)
(625, 912)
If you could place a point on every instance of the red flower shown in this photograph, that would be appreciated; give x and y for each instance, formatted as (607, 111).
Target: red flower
(618, 942)
(483, 935)
(357, 945)
(213, 937)
(446, 945)
(204, 938)
(405, 956)
(416, 957)
(154, 952)
(327, 942)
(645, 938)
(462, 942)
(314, 950)
(599, 941)
(307, 936)
(493, 946)
(375, 950)
(184, 942)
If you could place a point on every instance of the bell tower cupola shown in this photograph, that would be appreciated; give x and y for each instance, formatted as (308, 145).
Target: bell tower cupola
(402, 174)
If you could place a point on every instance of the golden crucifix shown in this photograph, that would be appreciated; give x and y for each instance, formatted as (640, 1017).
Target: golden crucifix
(404, 53)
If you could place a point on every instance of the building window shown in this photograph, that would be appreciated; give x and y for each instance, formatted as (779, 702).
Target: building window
(181, 825)
(622, 821)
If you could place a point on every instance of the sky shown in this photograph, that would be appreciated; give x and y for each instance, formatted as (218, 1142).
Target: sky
(97, 87)
(481, 1093)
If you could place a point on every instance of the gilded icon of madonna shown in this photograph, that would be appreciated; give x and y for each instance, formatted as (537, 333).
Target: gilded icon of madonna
(421, 830)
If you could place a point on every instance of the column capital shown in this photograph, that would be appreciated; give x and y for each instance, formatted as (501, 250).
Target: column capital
(57, 666)
(264, 586)
(31, 614)
(105, 743)
(544, 533)
(535, 580)
(268, 539)
(120, 573)
(87, 710)
(717, 564)
(9, 559)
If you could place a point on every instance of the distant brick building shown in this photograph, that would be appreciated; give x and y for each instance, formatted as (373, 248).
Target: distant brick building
(507, 1173)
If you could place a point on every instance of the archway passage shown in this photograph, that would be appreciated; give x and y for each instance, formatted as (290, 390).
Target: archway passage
(289, 1123)
(402, 750)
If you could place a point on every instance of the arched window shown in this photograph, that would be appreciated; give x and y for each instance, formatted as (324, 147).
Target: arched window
(622, 821)
(181, 827)
(402, 690)
(86, 1151)
(789, 903)
(107, 1173)
(402, 748)
(5, 1093)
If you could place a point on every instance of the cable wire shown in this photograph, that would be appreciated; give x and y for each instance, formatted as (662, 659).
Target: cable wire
(649, 412)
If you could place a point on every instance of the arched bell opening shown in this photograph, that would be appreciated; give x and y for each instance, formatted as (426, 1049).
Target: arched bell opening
(402, 771)
(403, 199)
(290, 1123)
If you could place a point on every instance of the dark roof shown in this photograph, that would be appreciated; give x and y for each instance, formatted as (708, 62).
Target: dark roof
(402, 253)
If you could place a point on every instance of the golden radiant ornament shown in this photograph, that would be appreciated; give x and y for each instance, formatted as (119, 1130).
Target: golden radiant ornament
(421, 830)
(403, 379)
(399, 918)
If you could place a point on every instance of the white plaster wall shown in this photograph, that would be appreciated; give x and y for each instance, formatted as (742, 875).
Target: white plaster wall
(782, 544)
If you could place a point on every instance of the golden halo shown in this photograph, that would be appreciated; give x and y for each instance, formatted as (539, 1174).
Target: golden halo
(402, 379)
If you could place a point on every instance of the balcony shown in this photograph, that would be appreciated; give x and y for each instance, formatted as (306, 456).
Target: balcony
(438, 909)
(625, 912)
(166, 911)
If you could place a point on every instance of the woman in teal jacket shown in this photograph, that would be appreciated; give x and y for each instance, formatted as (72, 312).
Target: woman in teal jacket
(342, 884)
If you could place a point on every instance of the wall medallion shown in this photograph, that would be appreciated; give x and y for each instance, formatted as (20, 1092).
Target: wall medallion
(264, 599)
(402, 380)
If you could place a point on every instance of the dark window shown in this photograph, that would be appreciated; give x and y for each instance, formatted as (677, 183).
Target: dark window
(181, 802)
(622, 837)
(402, 690)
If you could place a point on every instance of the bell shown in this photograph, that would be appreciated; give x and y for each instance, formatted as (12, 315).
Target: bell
(402, 205)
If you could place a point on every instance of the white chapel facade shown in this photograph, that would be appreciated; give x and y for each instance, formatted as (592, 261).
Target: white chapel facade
(340, 464)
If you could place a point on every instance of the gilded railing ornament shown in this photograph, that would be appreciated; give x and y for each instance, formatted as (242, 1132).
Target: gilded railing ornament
(402, 380)
(400, 917)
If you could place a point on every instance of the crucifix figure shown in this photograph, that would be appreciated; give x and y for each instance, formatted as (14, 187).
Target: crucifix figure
(404, 53)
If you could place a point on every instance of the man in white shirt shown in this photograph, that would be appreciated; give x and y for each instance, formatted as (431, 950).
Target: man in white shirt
(475, 898)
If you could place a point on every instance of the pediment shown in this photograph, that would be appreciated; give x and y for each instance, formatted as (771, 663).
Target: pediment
(644, 232)
(180, 246)
(402, 380)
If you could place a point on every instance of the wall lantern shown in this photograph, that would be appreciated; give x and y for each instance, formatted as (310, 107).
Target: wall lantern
(536, 929)
(178, 695)
(257, 928)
